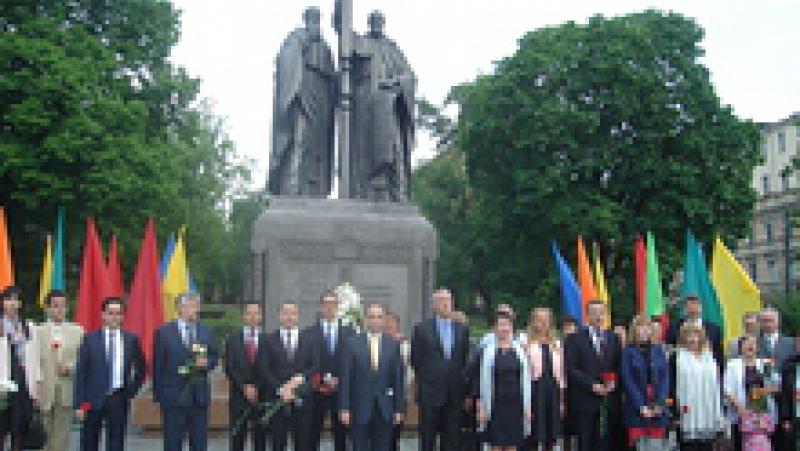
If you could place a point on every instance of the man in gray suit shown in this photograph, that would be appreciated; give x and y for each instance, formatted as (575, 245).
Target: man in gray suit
(772, 344)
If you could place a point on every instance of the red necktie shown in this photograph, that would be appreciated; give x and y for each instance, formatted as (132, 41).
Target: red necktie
(250, 347)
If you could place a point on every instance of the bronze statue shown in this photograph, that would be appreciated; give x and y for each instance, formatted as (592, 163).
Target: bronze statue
(302, 154)
(383, 117)
(374, 93)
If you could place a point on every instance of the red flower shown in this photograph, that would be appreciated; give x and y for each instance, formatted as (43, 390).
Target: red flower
(685, 409)
(609, 377)
(85, 406)
(56, 345)
(316, 379)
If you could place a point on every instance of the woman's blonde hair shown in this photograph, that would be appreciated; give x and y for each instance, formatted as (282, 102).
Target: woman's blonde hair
(688, 329)
(550, 335)
(633, 330)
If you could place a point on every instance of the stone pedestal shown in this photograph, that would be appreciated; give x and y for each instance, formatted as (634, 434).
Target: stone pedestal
(301, 247)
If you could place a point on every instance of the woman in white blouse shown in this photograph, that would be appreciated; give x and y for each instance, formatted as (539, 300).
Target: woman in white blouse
(20, 371)
(697, 390)
(741, 376)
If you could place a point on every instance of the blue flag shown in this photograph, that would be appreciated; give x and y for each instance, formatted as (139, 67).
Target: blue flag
(570, 291)
(167, 256)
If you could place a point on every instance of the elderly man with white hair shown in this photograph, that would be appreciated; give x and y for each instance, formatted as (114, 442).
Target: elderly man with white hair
(778, 347)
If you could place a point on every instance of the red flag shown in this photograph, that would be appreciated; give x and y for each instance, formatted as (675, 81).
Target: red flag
(641, 272)
(93, 287)
(115, 270)
(145, 312)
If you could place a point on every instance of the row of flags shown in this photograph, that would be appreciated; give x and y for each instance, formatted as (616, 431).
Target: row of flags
(156, 281)
(726, 292)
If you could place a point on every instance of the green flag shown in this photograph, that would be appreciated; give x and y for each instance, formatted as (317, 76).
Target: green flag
(654, 297)
(58, 254)
(696, 281)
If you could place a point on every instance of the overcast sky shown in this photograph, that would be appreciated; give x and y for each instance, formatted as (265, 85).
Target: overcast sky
(751, 49)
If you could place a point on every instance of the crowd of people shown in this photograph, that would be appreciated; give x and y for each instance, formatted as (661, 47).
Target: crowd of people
(590, 387)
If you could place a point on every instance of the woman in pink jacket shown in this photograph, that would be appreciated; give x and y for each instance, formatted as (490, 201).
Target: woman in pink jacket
(547, 379)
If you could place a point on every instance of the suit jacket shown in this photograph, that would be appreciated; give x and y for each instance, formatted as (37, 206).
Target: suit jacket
(280, 369)
(784, 348)
(634, 375)
(240, 371)
(788, 405)
(585, 367)
(50, 355)
(170, 353)
(92, 372)
(438, 377)
(713, 334)
(329, 363)
(361, 387)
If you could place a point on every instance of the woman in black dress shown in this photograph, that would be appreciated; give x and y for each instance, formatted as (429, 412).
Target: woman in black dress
(504, 404)
(20, 365)
(547, 380)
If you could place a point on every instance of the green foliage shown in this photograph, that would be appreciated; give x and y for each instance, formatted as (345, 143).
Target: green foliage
(790, 314)
(94, 117)
(608, 130)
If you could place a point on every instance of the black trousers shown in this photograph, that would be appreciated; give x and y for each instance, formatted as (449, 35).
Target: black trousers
(115, 416)
(324, 405)
(180, 421)
(443, 421)
(697, 445)
(589, 439)
(295, 419)
(375, 435)
(257, 432)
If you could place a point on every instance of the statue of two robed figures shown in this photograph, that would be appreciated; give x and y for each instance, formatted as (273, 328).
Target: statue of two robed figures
(372, 95)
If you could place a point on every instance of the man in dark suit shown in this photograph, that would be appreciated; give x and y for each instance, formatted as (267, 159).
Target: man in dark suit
(590, 353)
(694, 315)
(184, 354)
(243, 350)
(293, 359)
(329, 337)
(109, 373)
(372, 393)
(439, 348)
(778, 347)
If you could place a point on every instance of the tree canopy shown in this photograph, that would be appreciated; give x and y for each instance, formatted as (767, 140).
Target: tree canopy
(606, 129)
(94, 117)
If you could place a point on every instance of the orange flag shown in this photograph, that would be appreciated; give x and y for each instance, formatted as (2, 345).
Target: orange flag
(6, 267)
(585, 278)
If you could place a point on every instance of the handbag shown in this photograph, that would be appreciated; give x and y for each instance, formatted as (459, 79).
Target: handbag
(34, 436)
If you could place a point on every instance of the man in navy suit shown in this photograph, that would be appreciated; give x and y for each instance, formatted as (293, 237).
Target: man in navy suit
(329, 337)
(694, 315)
(439, 350)
(109, 373)
(371, 391)
(588, 354)
(184, 398)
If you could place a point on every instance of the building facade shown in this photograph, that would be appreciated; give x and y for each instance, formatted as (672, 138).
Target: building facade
(770, 251)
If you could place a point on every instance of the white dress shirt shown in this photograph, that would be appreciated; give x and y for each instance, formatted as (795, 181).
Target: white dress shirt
(289, 337)
(329, 331)
(251, 333)
(114, 338)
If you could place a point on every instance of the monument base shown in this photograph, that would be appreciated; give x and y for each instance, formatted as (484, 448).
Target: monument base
(302, 247)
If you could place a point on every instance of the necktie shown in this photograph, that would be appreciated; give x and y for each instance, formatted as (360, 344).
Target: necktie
(112, 359)
(331, 341)
(250, 346)
(374, 351)
(446, 337)
(190, 335)
(601, 343)
(290, 345)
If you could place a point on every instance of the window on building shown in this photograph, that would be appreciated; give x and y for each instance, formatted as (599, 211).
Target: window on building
(768, 232)
(784, 182)
(764, 148)
(754, 272)
(772, 271)
(765, 184)
(781, 142)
